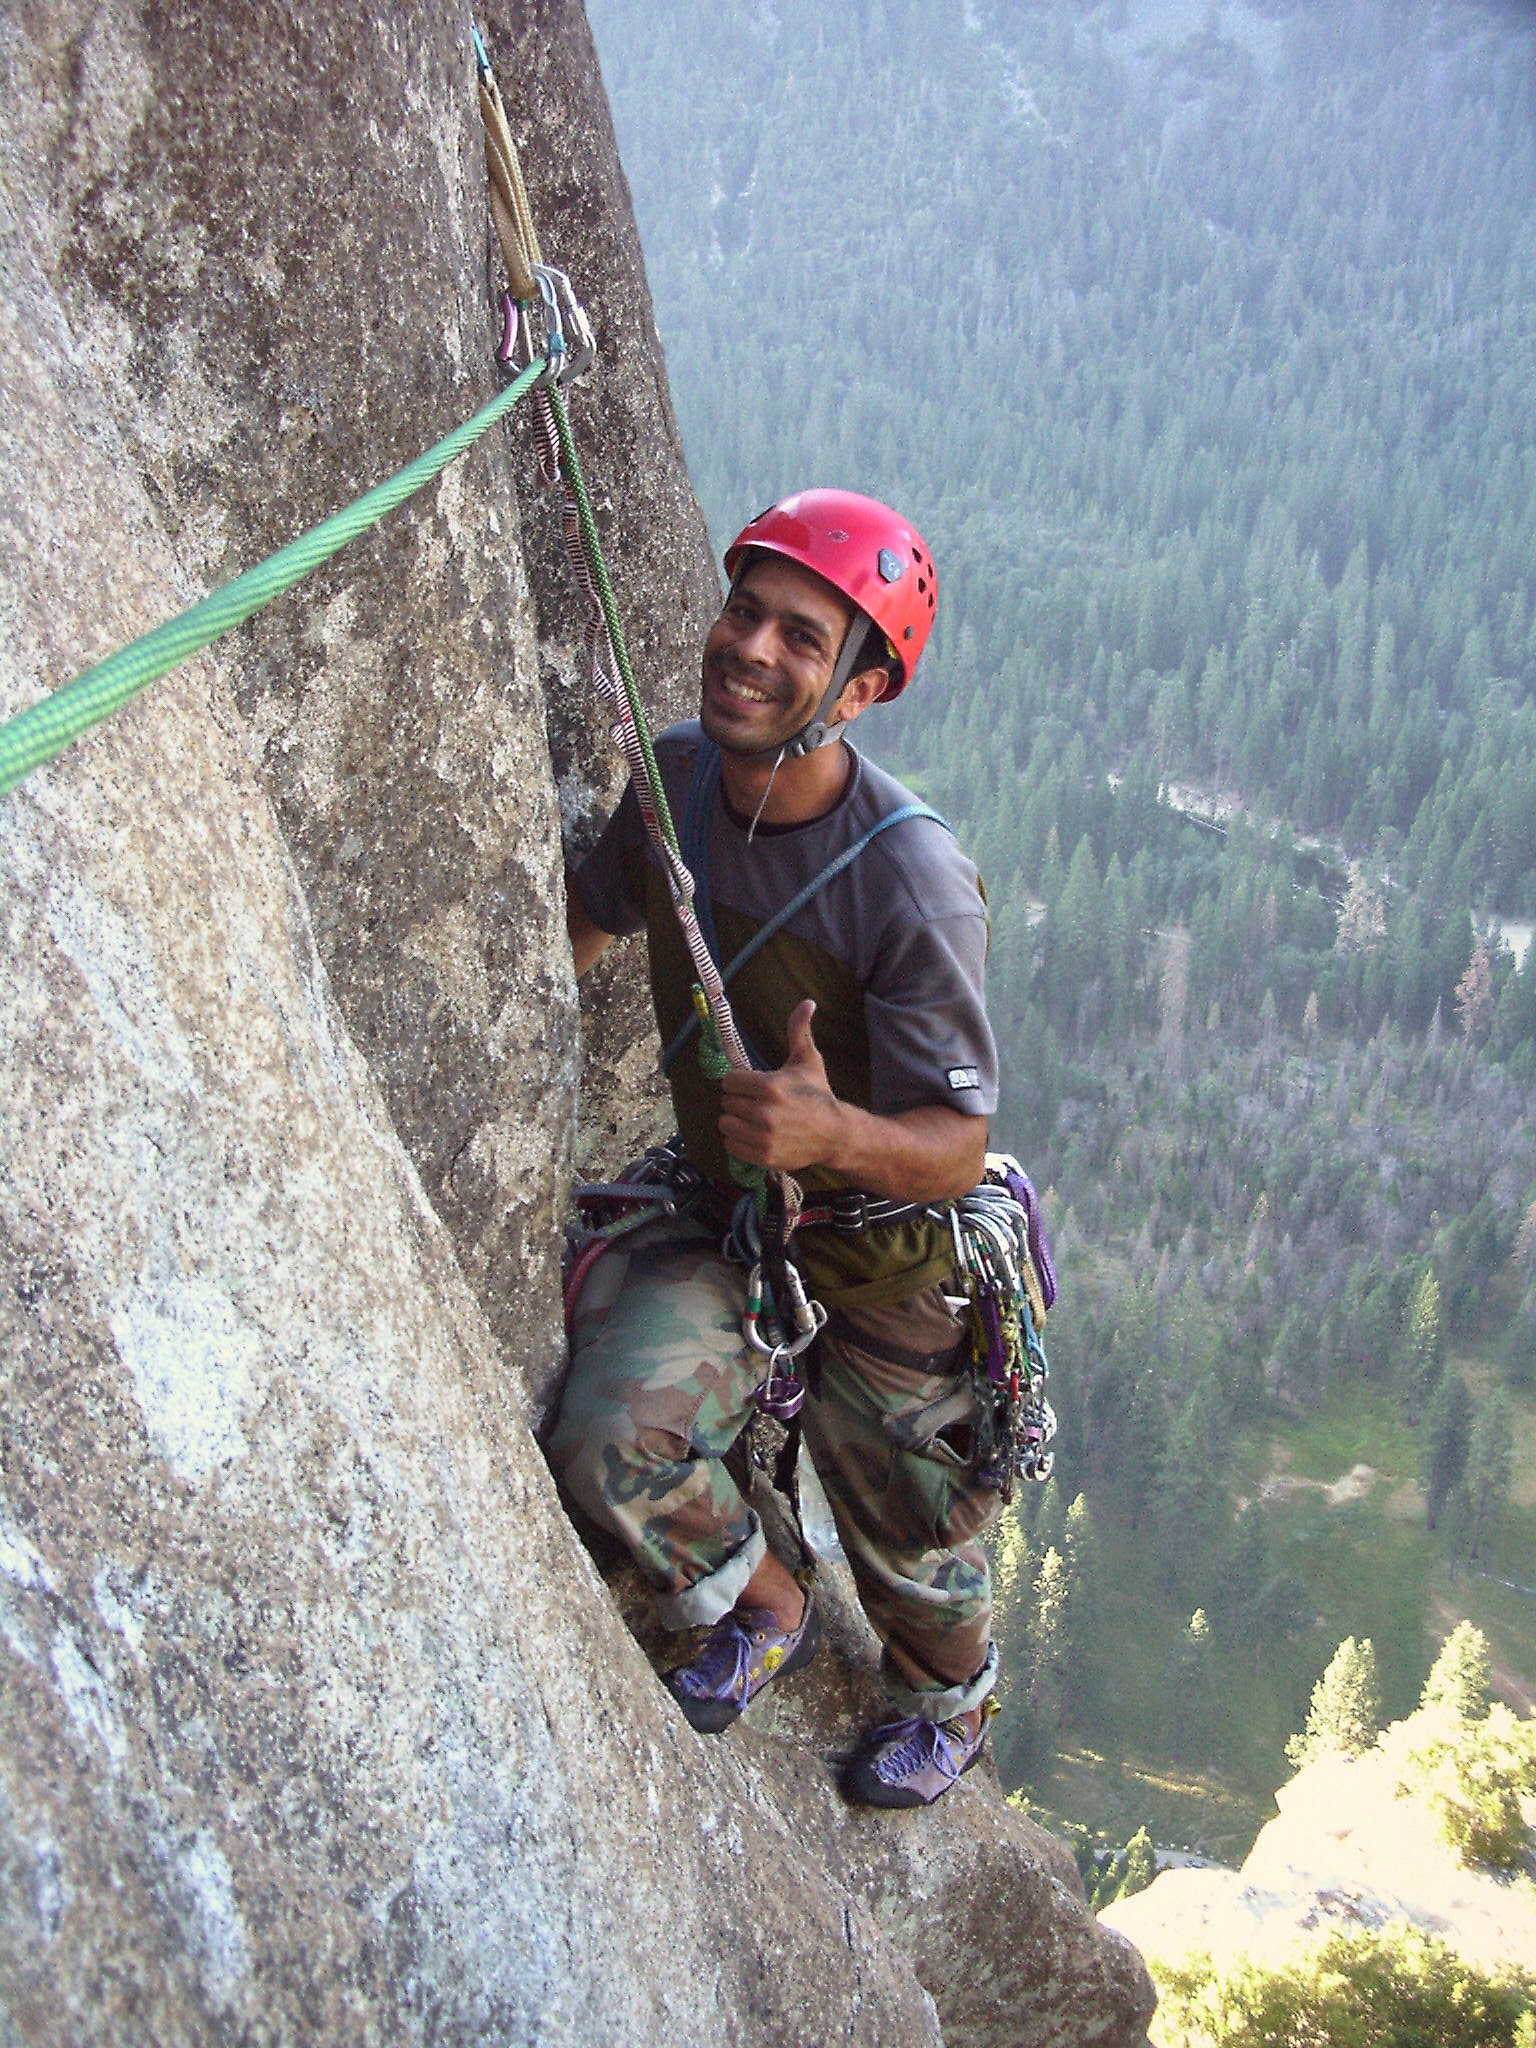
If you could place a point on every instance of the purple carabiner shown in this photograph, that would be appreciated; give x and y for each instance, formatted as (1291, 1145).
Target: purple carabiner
(781, 1396)
(1022, 1189)
(507, 350)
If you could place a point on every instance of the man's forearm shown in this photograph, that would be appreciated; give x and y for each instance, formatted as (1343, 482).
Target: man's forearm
(917, 1155)
(789, 1118)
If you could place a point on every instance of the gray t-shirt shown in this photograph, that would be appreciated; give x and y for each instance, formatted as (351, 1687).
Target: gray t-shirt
(893, 949)
(906, 918)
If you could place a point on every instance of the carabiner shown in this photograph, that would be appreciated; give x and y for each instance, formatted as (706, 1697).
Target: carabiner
(567, 331)
(569, 347)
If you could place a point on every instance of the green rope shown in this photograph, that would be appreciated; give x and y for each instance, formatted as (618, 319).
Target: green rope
(570, 464)
(714, 1066)
(44, 729)
(713, 1062)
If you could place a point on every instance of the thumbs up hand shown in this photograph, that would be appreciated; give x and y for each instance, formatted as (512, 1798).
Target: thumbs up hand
(803, 1057)
(788, 1118)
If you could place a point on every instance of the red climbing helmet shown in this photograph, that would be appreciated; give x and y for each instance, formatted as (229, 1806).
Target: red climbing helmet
(862, 548)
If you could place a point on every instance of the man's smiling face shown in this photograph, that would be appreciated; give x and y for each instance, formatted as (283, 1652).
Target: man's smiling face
(770, 656)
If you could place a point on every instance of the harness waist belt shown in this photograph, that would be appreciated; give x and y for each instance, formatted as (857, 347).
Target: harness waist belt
(850, 1210)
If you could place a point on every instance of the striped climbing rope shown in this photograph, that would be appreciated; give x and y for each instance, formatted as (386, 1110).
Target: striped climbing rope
(44, 729)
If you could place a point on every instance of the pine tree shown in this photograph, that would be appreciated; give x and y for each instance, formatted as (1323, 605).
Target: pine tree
(1190, 1495)
(1081, 1543)
(1423, 1345)
(1241, 1576)
(1458, 1679)
(1474, 996)
(1048, 1645)
(1489, 1470)
(1142, 1445)
(1174, 1001)
(1140, 1863)
(1344, 1718)
(1443, 1453)
(1190, 1701)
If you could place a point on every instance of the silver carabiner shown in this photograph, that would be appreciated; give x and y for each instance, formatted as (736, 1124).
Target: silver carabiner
(567, 331)
(569, 347)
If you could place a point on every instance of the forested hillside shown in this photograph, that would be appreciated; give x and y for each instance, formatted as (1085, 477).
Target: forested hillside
(1201, 341)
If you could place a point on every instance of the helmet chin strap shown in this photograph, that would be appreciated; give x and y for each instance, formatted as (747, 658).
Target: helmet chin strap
(819, 733)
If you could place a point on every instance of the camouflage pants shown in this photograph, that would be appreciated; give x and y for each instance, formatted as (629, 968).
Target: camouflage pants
(661, 1386)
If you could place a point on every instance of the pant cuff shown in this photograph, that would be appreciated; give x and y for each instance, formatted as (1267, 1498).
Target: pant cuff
(930, 1704)
(710, 1597)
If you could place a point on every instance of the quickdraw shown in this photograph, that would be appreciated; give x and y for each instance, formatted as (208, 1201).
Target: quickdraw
(1005, 1268)
(567, 356)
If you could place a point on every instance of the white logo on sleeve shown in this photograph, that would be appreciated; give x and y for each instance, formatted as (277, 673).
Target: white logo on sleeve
(964, 1077)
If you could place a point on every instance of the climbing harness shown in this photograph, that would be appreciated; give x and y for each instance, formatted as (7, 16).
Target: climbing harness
(1002, 1260)
(780, 1322)
(1009, 1285)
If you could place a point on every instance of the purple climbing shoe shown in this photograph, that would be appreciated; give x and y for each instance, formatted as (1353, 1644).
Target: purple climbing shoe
(736, 1660)
(912, 1762)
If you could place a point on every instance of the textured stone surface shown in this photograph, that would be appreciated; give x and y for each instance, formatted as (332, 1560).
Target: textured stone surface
(988, 1906)
(267, 234)
(316, 1722)
(1351, 1849)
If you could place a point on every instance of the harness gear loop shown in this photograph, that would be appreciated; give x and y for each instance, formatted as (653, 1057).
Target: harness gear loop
(1009, 1285)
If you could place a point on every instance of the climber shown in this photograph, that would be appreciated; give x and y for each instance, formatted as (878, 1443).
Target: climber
(866, 1014)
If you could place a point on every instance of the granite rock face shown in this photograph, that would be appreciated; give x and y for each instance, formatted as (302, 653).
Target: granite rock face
(316, 1721)
(1352, 1849)
(265, 231)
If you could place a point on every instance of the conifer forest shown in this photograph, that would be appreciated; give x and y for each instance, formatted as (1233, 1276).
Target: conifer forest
(1199, 338)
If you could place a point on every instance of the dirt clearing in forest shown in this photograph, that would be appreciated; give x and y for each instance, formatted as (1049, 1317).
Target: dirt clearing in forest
(1355, 1484)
